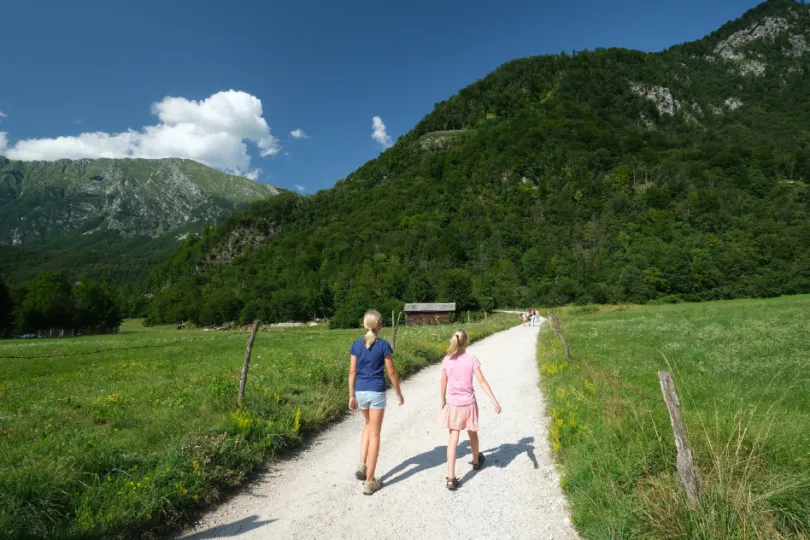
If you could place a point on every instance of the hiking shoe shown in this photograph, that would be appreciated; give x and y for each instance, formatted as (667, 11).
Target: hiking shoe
(369, 488)
(481, 459)
(452, 484)
(360, 474)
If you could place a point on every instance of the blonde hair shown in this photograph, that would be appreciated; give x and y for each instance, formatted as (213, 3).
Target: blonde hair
(372, 321)
(458, 343)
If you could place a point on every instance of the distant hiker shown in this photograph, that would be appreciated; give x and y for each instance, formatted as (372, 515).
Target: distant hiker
(459, 407)
(369, 355)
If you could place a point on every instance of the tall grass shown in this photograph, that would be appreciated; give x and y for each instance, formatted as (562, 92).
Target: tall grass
(741, 371)
(131, 441)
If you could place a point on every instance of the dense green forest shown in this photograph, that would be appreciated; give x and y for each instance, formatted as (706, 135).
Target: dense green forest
(593, 177)
(555, 179)
(51, 302)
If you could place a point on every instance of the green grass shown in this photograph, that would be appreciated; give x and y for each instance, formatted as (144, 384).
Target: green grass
(134, 439)
(742, 372)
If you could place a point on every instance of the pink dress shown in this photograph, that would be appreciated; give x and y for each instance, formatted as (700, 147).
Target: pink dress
(461, 411)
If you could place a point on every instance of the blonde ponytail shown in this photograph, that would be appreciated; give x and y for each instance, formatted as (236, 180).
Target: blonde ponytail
(372, 321)
(458, 343)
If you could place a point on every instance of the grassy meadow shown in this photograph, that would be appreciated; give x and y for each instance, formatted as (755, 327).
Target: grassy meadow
(129, 435)
(742, 372)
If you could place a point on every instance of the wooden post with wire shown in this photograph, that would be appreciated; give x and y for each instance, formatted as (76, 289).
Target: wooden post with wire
(396, 327)
(246, 363)
(555, 324)
(690, 477)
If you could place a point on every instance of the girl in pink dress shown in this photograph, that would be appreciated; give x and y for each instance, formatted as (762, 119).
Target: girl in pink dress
(459, 408)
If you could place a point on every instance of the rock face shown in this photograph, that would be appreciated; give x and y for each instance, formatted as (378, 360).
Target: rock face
(438, 140)
(665, 103)
(123, 198)
(743, 48)
(660, 96)
(768, 28)
(798, 46)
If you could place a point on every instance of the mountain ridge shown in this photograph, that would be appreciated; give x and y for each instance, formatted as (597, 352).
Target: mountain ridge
(42, 201)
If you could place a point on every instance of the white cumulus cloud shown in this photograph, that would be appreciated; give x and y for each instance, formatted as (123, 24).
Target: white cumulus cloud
(298, 134)
(214, 131)
(253, 175)
(299, 188)
(379, 133)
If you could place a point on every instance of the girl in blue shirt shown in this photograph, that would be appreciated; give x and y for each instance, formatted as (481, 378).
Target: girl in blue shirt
(369, 355)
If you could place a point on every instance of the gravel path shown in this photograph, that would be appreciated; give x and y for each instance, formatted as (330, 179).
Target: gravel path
(516, 495)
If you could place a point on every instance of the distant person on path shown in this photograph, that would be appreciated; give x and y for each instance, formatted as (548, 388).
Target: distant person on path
(459, 407)
(369, 355)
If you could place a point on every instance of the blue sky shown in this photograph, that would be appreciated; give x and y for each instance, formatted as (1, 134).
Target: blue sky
(326, 68)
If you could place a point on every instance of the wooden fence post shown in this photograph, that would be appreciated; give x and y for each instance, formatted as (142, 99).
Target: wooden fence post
(555, 324)
(468, 316)
(246, 363)
(394, 334)
(686, 466)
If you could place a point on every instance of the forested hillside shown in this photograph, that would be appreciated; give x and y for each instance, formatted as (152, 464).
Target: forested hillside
(110, 219)
(602, 176)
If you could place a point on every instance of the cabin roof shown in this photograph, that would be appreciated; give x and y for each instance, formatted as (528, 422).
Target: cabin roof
(430, 308)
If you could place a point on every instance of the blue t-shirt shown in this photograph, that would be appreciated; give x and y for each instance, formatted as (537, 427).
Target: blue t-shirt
(370, 365)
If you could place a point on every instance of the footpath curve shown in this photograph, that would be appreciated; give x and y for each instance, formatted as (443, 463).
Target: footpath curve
(516, 495)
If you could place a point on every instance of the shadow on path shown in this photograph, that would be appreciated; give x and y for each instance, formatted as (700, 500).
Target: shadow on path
(230, 529)
(423, 462)
(505, 454)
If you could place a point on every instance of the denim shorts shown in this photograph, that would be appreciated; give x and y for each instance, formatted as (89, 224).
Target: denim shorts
(367, 398)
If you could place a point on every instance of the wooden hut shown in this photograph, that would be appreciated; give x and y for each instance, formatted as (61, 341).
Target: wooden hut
(416, 314)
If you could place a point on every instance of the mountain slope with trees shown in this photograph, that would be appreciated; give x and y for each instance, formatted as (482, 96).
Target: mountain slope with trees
(100, 202)
(109, 219)
(602, 176)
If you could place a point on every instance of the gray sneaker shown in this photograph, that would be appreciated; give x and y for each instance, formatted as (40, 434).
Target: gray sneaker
(369, 488)
(360, 474)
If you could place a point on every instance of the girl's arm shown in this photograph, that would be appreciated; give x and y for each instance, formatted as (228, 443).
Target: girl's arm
(485, 385)
(392, 374)
(352, 377)
(444, 388)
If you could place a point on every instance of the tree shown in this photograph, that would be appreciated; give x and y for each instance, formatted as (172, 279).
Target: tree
(94, 307)
(419, 289)
(456, 286)
(48, 303)
(6, 309)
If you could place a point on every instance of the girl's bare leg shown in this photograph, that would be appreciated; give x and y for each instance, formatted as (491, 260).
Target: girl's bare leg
(375, 419)
(364, 438)
(451, 454)
(473, 435)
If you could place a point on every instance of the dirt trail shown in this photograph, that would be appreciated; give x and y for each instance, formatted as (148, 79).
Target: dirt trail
(516, 495)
